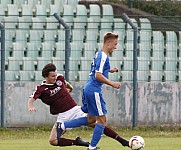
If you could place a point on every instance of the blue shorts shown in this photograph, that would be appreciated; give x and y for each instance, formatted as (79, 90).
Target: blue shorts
(93, 103)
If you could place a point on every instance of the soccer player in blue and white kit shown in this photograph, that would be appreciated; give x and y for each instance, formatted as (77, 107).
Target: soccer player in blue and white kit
(92, 99)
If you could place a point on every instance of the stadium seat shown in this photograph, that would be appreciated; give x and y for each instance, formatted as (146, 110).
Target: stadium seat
(26, 75)
(171, 50)
(145, 37)
(158, 37)
(38, 76)
(11, 75)
(26, 15)
(24, 24)
(73, 3)
(47, 50)
(76, 49)
(118, 53)
(171, 37)
(156, 76)
(61, 35)
(68, 15)
(158, 51)
(93, 25)
(89, 49)
(179, 75)
(9, 36)
(128, 64)
(73, 76)
(170, 76)
(40, 12)
(73, 65)
(127, 76)
(83, 75)
(78, 36)
(19, 2)
(85, 63)
(18, 50)
(4, 2)
(145, 50)
(157, 64)
(55, 9)
(145, 24)
(119, 28)
(129, 50)
(60, 50)
(38, 25)
(143, 64)
(143, 76)
(107, 12)
(28, 64)
(28, 68)
(51, 23)
(47, 3)
(32, 50)
(129, 36)
(95, 12)
(91, 36)
(41, 62)
(21, 36)
(80, 20)
(14, 64)
(2, 12)
(50, 36)
(32, 3)
(114, 76)
(170, 64)
(36, 37)
(59, 63)
(115, 62)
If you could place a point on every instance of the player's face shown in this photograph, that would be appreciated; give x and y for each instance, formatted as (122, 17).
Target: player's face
(112, 45)
(51, 79)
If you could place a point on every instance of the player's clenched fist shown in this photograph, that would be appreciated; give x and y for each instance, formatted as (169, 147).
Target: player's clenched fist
(32, 109)
(116, 85)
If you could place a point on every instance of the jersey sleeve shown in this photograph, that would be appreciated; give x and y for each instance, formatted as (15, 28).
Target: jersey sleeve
(36, 94)
(101, 59)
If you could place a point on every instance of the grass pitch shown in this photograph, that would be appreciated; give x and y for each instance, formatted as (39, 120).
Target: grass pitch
(36, 138)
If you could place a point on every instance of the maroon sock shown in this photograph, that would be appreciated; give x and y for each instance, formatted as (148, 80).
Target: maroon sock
(65, 142)
(112, 134)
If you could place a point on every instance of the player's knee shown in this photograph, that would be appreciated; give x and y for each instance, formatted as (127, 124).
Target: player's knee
(53, 142)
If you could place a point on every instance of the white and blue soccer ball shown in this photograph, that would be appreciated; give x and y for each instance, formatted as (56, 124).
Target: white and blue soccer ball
(136, 143)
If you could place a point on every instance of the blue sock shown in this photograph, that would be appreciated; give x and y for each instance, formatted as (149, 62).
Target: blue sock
(76, 122)
(97, 134)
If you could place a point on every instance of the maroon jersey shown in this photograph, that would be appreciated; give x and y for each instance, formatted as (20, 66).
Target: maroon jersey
(55, 95)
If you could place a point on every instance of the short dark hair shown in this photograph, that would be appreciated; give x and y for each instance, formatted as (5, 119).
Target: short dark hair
(48, 68)
(110, 35)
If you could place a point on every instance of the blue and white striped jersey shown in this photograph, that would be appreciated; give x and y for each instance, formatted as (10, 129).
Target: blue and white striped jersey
(100, 64)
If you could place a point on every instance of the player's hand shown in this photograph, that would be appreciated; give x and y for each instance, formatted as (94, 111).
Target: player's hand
(113, 70)
(116, 85)
(32, 109)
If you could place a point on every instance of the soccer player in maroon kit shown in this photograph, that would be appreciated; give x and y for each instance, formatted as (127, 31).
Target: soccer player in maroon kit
(54, 91)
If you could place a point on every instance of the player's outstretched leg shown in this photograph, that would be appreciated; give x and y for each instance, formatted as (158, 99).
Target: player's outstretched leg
(65, 142)
(112, 134)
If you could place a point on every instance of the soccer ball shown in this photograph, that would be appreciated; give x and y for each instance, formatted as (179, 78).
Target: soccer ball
(136, 143)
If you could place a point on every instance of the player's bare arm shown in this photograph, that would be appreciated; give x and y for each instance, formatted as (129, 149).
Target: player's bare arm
(103, 79)
(69, 86)
(30, 105)
(113, 70)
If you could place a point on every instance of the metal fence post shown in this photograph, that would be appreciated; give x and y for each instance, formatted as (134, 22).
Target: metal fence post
(67, 44)
(2, 72)
(135, 68)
